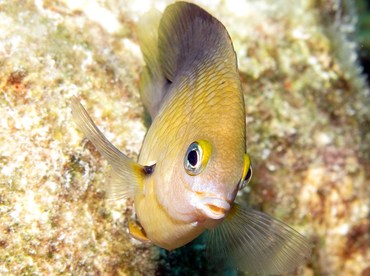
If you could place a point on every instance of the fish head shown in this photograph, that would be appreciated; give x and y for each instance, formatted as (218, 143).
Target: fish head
(214, 176)
(209, 175)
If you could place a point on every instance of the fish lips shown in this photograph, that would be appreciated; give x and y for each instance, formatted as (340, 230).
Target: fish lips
(212, 207)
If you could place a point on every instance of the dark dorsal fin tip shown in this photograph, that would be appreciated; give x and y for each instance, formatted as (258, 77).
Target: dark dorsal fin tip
(187, 33)
(174, 44)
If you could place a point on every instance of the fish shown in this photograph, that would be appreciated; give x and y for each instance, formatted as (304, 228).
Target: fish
(193, 160)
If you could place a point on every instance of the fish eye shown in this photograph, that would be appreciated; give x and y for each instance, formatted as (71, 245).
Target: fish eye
(197, 156)
(247, 172)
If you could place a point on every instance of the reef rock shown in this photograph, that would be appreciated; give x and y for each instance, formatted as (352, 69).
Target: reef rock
(308, 130)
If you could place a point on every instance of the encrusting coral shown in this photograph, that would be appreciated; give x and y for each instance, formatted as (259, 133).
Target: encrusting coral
(308, 126)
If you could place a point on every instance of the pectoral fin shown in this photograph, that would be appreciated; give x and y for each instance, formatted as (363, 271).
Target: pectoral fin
(127, 176)
(258, 243)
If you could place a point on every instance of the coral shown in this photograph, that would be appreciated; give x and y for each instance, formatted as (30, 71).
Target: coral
(54, 218)
(308, 128)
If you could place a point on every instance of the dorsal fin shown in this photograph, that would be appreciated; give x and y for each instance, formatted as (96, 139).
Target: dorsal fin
(187, 36)
(152, 80)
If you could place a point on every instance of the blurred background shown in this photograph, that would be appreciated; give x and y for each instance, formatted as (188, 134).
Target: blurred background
(304, 70)
(363, 34)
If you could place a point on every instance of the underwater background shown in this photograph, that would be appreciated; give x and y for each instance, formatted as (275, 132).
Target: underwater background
(362, 33)
(303, 66)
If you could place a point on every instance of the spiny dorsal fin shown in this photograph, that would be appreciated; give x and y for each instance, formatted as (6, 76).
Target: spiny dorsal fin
(187, 36)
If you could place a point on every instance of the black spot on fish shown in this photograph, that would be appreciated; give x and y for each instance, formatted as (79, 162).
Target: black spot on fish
(148, 170)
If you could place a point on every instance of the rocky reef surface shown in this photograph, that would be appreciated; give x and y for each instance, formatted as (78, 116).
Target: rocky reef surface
(308, 131)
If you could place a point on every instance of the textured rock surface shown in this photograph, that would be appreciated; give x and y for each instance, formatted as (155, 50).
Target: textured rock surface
(307, 114)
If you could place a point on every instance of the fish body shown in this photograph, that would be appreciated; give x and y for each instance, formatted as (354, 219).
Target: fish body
(202, 102)
(193, 159)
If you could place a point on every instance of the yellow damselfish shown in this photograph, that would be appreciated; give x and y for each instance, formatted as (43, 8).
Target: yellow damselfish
(193, 160)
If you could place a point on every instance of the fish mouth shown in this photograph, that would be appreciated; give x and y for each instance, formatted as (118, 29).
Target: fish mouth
(213, 207)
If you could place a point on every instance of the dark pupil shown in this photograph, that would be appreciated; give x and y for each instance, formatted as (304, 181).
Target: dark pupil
(249, 173)
(193, 158)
